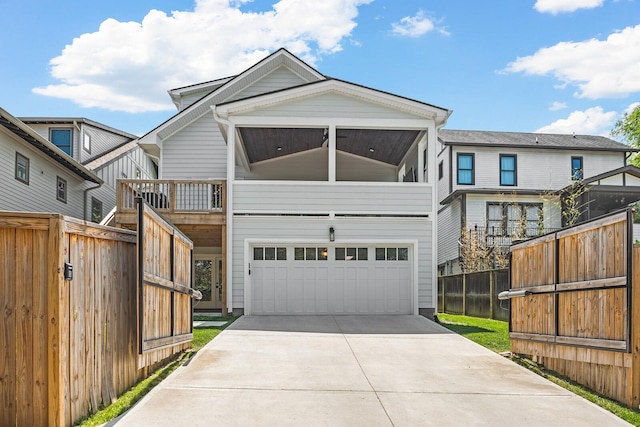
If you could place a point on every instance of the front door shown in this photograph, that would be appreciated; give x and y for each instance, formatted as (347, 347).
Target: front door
(207, 278)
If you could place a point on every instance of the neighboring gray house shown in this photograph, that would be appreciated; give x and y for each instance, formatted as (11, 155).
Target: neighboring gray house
(108, 152)
(37, 176)
(507, 184)
(303, 194)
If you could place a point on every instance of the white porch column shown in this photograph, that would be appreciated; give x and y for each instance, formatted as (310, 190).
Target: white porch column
(231, 172)
(432, 137)
(421, 147)
(332, 153)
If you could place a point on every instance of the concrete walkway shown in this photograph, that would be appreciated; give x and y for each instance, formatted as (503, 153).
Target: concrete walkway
(355, 371)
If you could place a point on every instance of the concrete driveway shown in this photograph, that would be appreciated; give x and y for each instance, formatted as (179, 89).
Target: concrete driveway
(355, 371)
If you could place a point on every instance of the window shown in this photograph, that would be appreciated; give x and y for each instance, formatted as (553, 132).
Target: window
(86, 142)
(310, 254)
(352, 254)
(22, 168)
(425, 163)
(508, 173)
(466, 174)
(577, 168)
(392, 254)
(61, 138)
(440, 170)
(61, 189)
(96, 210)
(520, 220)
(270, 254)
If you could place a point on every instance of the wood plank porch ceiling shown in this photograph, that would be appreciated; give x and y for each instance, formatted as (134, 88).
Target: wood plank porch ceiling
(384, 145)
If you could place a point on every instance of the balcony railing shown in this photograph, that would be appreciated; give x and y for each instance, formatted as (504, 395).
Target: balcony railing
(172, 196)
(501, 236)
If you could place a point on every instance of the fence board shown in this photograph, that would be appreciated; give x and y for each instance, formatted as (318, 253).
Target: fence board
(68, 347)
(592, 343)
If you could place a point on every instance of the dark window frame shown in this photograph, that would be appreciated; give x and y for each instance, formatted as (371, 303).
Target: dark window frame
(27, 168)
(70, 130)
(514, 171)
(95, 203)
(85, 137)
(504, 220)
(473, 168)
(62, 198)
(440, 170)
(577, 174)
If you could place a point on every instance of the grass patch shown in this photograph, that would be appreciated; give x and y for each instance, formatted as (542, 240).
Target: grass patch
(201, 336)
(493, 334)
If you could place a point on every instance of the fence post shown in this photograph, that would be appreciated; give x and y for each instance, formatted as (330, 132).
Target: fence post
(492, 292)
(464, 294)
(634, 282)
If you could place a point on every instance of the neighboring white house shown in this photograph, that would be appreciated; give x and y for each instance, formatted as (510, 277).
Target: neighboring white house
(37, 176)
(507, 184)
(328, 191)
(108, 152)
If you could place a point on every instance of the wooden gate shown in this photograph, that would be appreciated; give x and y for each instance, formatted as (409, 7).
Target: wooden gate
(578, 318)
(165, 312)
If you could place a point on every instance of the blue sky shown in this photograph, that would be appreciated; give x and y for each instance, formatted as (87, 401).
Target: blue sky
(527, 65)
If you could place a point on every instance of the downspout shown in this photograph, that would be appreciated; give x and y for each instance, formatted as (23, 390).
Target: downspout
(229, 213)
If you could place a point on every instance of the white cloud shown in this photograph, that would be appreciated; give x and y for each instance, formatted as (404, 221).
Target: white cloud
(599, 68)
(129, 66)
(555, 106)
(631, 107)
(416, 26)
(563, 6)
(593, 121)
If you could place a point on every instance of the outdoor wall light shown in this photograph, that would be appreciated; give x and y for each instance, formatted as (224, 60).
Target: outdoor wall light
(332, 234)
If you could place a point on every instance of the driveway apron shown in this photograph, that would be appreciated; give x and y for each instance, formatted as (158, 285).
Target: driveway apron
(355, 371)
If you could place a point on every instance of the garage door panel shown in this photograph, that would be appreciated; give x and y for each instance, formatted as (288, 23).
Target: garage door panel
(353, 284)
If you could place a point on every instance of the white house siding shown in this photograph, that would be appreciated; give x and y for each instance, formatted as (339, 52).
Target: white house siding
(476, 208)
(195, 152)
(332, 105)
(278, 79)
(449, 225)
(353, 168)
(345, 198)
(190, 98)
(315, 230)
(101, 142)
(124, 166)
(557, 167)
(40, 194)
(443, 183)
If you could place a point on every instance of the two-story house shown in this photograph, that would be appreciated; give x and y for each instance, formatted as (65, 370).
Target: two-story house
(37, 176)
(303, 194)
(506, 185)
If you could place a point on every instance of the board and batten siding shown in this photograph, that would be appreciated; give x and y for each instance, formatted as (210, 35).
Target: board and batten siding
(556, 163)
(324, 198)
(443, 183)
(40, 194)
(315, 230)
(195, 152)
(278, 79)
(101, 142)
(332, 105)
(313, 165)
(449, 226)
(124, 166)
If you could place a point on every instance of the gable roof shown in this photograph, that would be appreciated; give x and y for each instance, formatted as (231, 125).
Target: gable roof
(205, 87)
(75, 120)
(228, 89)
(530, 140)
(111, 155)
(628, 169)
(31, 137)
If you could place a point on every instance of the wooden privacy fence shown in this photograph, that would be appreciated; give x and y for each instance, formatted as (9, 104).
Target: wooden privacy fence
(68, 347)
(474, 294)
(579, 319)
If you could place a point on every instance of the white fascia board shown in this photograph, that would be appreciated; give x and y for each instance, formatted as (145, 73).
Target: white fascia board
(340, 122)
(334, 86)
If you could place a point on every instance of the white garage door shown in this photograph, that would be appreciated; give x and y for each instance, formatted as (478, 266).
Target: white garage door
(311, 279)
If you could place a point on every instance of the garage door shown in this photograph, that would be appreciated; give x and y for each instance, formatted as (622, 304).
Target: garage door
(311, 279)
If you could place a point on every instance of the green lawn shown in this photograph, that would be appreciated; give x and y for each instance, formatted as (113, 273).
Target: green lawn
(494, 335)
(201, 336)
